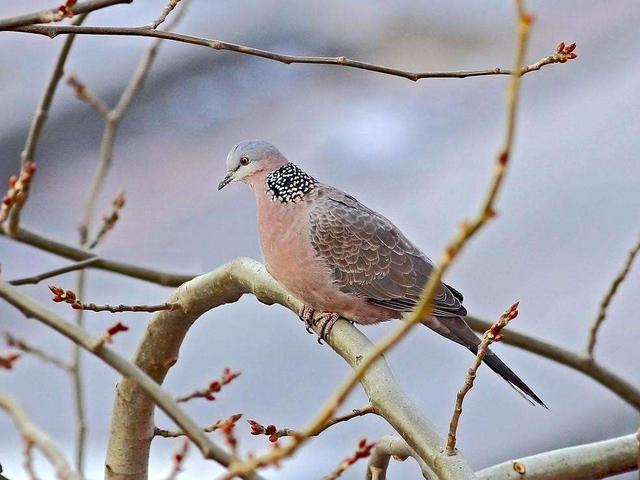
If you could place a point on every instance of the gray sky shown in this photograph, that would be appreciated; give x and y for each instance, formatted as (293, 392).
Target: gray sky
(420, 153)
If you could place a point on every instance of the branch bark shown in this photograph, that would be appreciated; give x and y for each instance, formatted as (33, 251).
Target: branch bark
(149, 389)
(159, 348)
(147, 31)
(583, 462)
(53, 14)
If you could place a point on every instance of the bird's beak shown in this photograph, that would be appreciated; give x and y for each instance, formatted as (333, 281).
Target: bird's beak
(226, 180)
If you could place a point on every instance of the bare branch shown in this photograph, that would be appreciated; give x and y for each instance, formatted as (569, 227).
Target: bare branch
(83, 93)
(35, 279)
(34, 437)
(275, 433)
(491, 335)
(46, 357)
(604, 305)
(161, 432)
(54, 30)
(214, 387)
(166, 11)
(109, 221)
(152, 392)
(583, 462)
(392, 446)
(363, 451)
(70, 297)
(159, 347)
(179, 457)
(16, 196)
(58, 13)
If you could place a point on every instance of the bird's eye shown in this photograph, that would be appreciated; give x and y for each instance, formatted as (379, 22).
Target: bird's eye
(244, 160)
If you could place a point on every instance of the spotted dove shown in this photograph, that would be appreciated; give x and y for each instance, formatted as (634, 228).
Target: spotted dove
(340, 257)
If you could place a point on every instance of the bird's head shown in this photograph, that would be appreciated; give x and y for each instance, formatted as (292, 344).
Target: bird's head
(247, 160)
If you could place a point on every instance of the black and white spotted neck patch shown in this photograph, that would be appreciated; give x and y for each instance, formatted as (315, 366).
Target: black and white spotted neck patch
(289, 183)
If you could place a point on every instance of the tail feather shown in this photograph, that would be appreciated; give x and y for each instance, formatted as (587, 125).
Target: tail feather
(455, 328)
(498, 366)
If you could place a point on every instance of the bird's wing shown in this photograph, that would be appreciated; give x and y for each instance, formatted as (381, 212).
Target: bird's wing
(369, 257)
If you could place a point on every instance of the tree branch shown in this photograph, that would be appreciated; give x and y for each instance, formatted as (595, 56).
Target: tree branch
(35, 279)
(158, 351)
(56, 14)
(491, 335)
(150, 391)
(146, 31)
(392, 446)
(34, 437)
(602, 313)
(583, 462)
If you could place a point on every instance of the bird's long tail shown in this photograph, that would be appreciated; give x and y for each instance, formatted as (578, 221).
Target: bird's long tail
(498, 366)
(456, 329)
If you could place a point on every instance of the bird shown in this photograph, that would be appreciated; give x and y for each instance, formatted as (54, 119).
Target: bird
(343, 259)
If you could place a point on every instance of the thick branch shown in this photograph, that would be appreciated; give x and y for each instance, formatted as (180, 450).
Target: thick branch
(56, 14)
(583, 462)
(159, 348)
(34, 437)
(54, 30)
(148, 388)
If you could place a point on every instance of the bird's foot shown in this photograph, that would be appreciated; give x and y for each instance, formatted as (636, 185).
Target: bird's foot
(306, 315)
(324, 321)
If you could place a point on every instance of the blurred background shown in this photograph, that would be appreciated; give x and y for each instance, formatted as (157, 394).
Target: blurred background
(421, 153)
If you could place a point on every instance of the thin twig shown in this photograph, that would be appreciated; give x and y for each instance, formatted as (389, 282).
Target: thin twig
(424, 307)
(57, 14)
(604, 305)
(491, 335)
(35, 279)
(33, 437)
(274, 433)
(84, 94)
(109, 221)
(362, 451)
(161, 432)
(26, 347)
(166, 11)
(214, 387)
(179, 456)
(53, 30)
(70, 297)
